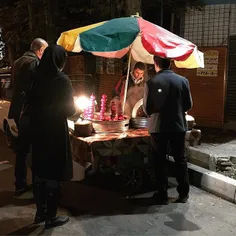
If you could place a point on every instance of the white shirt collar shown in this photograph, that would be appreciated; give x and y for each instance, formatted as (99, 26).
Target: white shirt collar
(135, 80)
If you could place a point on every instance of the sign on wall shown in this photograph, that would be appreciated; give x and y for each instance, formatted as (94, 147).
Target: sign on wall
(99, 65)
(211, 60)
(110, 69)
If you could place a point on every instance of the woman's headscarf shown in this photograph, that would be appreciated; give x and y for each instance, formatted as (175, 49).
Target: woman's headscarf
(53, 61)
(50, 66)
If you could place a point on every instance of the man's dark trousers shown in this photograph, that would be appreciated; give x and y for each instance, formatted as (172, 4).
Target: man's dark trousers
(159, 149)
(22, 150)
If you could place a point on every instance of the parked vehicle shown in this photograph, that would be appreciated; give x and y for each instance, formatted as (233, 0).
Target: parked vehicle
(8, 126)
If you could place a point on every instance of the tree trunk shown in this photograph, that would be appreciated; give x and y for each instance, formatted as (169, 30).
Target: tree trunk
(49, 10)
(172, 22)
(132, 7)
(30, 12)
(10, 53)
(162, 13)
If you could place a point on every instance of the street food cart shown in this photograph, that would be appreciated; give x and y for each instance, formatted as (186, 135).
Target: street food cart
(116, 146)
(110, 134)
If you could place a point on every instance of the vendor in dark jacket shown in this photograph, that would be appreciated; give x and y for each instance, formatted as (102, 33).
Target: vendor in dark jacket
(135, 88)
(50, 103)
(166, 99)
(20, 83)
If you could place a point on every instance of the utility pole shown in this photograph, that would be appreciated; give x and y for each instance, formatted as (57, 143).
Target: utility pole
(132, 6)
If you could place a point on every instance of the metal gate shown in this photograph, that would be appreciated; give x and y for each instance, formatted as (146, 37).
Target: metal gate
(230, 111)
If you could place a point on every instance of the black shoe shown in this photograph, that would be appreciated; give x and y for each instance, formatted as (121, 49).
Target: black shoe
(56, 221)
(160, 200)
(182, 199)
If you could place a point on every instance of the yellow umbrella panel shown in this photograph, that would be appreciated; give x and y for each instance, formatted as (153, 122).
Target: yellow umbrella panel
(67, 39)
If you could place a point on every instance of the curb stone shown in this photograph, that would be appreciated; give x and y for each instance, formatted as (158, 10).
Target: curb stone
(209, 160)
(217, 184)
(195, 154)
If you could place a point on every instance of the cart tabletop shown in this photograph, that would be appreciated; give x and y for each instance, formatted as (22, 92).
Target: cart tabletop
(131, 133)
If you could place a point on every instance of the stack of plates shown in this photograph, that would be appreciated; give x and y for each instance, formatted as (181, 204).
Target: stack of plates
(139, 122)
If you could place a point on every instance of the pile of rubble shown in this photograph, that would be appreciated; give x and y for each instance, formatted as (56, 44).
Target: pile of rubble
(226, 166)
(217, 151)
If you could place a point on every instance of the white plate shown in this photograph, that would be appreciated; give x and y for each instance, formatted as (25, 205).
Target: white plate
(140, 103)
(136, 107)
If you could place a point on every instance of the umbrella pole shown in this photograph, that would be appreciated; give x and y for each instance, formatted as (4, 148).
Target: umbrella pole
(126, 82)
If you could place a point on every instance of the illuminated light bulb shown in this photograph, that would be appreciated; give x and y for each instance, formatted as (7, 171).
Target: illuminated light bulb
(81, 102)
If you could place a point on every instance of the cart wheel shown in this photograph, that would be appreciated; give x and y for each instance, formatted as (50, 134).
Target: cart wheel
(151, 177)
(132, 179)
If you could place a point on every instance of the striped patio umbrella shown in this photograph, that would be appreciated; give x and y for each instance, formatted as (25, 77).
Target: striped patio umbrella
(116, 37)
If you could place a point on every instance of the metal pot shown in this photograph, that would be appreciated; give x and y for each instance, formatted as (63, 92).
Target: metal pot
(83, 128)
(142, 122)
(118, 126)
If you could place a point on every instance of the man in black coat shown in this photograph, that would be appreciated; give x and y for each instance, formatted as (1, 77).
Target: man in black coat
(166, 99)
(20, 83)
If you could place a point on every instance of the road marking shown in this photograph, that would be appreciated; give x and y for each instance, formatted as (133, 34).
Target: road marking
(4, 164)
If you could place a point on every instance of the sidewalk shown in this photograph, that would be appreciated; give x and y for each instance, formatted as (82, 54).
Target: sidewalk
(217, 157)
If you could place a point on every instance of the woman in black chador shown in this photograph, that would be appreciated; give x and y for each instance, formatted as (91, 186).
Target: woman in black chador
(51, 102)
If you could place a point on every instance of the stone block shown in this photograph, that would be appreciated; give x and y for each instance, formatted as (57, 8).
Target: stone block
(222, 159)
(233, 159)
(227, 163)
(196, 154)
(212, 162)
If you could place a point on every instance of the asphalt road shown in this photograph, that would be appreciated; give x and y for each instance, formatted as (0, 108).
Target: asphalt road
(98, 211)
